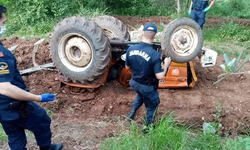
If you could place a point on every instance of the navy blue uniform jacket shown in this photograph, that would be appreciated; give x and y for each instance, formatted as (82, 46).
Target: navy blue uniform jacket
(145, 62)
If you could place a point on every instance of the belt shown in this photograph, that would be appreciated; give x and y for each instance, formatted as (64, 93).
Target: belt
(143, 83)
(198, 9)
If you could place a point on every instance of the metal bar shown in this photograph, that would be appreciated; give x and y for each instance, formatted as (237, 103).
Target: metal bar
(125, 43)
(36, 68)
(13, 48)
(34, 55)
(78, 84)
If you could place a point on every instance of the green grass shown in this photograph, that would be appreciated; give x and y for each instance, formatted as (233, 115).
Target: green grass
(17, 27)
(231, 8)
(229, 31)
(204, 141)
(228, 38)
(232, 48)
(241, 143)
(169, 135)
(166, 135)
(3, 136)
(39, 17)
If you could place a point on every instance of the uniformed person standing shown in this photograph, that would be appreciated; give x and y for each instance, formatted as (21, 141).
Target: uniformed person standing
(145, 64)
(17, 109)
(198, 9)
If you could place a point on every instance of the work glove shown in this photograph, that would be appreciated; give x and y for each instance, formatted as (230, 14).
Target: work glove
(47, 97)
(206, 9)
(189, 12)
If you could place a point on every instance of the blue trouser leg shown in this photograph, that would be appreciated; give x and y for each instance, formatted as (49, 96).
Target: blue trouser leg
(148, 95)
(37, 122)
(201, 20)
(193, 15)
(16, 135)
(137, 102)
(151, 103)
(199, 17)
(135, 106)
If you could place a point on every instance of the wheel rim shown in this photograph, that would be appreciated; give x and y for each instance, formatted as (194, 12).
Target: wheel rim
(75, 52)
(184, 40)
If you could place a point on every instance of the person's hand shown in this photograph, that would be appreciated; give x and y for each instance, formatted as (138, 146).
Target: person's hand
(47, 97)
(189, 12)
(206, 9)
(167, 61)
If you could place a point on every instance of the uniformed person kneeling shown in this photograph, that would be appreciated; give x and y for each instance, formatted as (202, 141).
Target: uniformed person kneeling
(17, 109)
(145, 64)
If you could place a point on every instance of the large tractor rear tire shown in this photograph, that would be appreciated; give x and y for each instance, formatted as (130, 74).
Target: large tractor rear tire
(80, 50)
(113, 27)
(182, 40)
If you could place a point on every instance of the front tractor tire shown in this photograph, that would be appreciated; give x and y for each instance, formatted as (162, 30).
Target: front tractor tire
(80, 50)
(182, 40)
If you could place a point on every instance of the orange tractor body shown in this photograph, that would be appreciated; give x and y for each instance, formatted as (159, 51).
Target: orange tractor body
(179, 75)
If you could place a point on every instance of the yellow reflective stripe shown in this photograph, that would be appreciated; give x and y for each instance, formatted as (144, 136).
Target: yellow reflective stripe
(4, 72)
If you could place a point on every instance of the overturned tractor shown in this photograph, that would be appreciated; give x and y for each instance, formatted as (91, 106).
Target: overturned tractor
(89, 52)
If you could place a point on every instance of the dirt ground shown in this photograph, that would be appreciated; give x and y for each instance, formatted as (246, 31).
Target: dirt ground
(133, 22)
(82, 119)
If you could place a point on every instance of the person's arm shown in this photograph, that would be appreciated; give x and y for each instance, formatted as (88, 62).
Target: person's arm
(127, 62)
(9, 90)
(190, 8)
(14, 92)
(161, 75)
(191, 4)
(212, 3)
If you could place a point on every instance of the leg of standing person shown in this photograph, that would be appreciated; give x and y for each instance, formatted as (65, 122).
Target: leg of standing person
(194, 15)
(135, 106)
(16, 135)
(151, 103)
(138, 100)
(38, 122)
(201, 18)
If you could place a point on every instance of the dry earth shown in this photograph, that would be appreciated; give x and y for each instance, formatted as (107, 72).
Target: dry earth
(82, 119)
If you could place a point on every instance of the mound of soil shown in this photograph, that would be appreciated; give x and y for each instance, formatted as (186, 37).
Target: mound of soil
(133, 22)
(227, 102)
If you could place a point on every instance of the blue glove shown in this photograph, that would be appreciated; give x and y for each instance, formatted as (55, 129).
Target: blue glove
(206, 9)
(189, 12)
(47, 97)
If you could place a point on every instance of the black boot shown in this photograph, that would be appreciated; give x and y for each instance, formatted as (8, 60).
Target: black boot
(57, 146)
(131, 115)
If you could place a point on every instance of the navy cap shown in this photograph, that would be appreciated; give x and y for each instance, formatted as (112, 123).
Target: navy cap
(150, 27)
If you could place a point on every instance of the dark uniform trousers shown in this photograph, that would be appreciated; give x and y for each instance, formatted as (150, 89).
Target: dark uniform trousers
(148, 95)
(199, 16)
(37, 121)
(197, 11)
